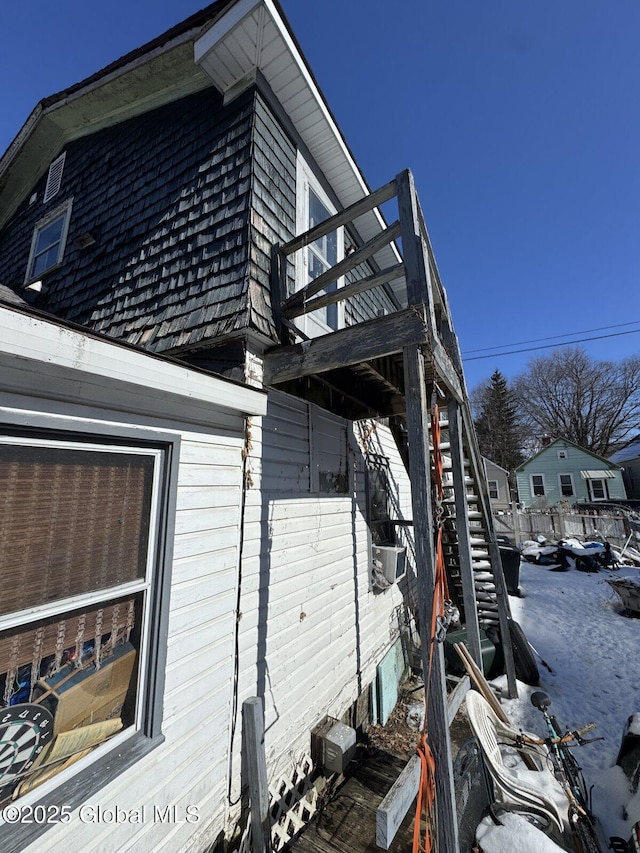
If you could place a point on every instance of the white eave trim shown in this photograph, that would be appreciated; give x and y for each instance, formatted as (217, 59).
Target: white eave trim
(41, 341)
(349, 190)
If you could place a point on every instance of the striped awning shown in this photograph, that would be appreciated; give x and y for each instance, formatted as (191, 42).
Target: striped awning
(602, 474)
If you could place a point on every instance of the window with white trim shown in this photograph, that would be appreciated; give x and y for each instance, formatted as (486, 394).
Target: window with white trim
(537, 485)
(314, 206)
(562, 454)
(494, 490)
(78, 563)
(565, 482)
(598, 489)
(48, 241)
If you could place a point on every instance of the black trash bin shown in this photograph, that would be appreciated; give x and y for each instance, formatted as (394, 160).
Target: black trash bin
(510, 559)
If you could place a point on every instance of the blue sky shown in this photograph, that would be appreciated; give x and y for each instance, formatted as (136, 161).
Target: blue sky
(520, 121)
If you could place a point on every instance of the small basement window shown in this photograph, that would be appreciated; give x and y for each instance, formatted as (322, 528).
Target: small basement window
(48, 242)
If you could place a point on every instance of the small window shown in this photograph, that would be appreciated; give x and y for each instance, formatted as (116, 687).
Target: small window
(313, 207)
(537, 485)
(494, 491)
(47, 245)
(562, 454)
(566, 485)
(78, 540)
(379, 500)
(54, 178)
(599, 490)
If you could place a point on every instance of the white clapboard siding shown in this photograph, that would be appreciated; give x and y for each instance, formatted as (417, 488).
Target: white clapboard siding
(190, 767)
(312, 630)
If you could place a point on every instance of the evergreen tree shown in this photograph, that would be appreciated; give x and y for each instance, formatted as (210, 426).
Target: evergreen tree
(498, 427)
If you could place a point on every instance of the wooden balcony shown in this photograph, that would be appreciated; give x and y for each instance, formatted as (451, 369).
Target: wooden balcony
(358, 371)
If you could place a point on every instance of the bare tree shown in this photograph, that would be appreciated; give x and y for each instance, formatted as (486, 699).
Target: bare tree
(595, 404)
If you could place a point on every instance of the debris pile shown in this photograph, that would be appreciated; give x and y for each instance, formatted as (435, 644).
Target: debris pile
(585, 556)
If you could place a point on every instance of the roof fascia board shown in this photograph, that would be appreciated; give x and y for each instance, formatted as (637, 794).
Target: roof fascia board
(221, 28)
(36, 340)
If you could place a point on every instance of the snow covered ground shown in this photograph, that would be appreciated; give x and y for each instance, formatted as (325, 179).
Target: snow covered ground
(574, 621)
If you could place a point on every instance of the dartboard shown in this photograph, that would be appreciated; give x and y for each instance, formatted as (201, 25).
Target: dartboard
(25, 730)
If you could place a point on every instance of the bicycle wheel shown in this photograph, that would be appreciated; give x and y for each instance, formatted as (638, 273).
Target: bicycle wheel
(585, 836)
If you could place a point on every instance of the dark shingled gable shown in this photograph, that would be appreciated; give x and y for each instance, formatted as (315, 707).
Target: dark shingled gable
(166, 196)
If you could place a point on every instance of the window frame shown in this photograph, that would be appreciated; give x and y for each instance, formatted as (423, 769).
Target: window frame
(544, 486)
(492, 497)
(63, 210)
(85, 779)
(312, 324)
(605, 488)
(573, 485)
(562, 453)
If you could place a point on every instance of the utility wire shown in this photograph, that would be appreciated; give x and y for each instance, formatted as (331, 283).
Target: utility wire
(552, 337)
(552, 346)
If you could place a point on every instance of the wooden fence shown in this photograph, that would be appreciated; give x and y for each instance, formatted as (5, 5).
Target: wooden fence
(527, 524)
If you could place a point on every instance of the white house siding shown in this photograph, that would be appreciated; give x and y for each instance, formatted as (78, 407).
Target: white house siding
(191, 766)
(312, 630)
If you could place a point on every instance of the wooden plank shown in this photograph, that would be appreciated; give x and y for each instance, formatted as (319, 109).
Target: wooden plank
(343, 267)
(349, 290)
(392, 810)
(253, 718)
(364, 342)
(462, 529)
(456, 697)
(504, 610)
(420, 470)
(446, 371)
(350, 213)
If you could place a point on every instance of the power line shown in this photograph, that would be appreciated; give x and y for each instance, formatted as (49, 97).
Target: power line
(552, 337)
(552, 346)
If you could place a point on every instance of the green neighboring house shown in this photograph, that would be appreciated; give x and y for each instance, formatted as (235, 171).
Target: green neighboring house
(563, 471)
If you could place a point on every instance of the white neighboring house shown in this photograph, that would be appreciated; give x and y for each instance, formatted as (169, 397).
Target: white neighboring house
(498, 486)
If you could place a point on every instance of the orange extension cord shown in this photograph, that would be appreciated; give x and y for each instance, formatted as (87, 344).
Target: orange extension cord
(424, 842)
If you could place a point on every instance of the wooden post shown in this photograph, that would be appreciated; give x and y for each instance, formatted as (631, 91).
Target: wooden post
(256, 764)
(462, 529)
(420, 470)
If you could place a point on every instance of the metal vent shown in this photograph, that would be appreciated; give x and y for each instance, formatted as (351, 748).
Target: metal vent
(54, 178)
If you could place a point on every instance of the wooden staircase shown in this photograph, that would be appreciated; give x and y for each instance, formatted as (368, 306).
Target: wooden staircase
(395, 367)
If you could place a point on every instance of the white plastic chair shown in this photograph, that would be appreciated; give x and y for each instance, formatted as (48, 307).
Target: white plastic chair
(536, 790)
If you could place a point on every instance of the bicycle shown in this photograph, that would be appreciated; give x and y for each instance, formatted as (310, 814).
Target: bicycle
(587, 835)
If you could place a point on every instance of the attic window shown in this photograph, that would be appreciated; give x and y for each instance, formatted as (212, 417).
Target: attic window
(562, 454)
(48, 242)
(54, 179)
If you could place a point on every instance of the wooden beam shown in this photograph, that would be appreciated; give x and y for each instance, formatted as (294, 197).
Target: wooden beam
(457, 696)
(420, 471)
(363, 342)
(349, 290)
(446, 372)
(462, 530)
(342, 267)
(504, 610)
(391, 811)
(350, 213)
(253, 740)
